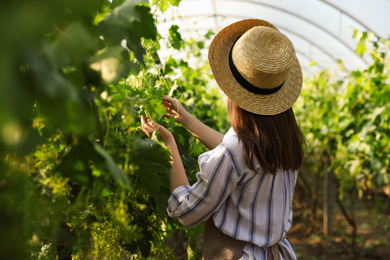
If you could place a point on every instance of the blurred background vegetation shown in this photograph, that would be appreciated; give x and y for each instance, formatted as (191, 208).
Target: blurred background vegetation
(78, 180)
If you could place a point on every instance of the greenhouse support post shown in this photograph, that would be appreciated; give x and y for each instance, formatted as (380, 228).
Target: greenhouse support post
(327, 200)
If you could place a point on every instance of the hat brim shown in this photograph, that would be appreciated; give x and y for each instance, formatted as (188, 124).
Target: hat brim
(271, 104)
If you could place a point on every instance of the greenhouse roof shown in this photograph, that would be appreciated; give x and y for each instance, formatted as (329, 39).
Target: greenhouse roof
(321, 30)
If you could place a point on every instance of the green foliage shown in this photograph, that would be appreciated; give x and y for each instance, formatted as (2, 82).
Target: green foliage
(174, 37)
(347, 120)
(164, 4)
(77, 177)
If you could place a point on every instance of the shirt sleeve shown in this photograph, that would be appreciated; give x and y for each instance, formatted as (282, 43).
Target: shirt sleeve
(216, 180)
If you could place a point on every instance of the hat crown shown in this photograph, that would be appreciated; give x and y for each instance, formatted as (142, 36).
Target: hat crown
(263, 56)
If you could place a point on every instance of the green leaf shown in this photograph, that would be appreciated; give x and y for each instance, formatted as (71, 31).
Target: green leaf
(117, 3)
(376, 112)
(124, 14)
(151, 160)
(106, 192)
(62, 103)
(361, 48)
(118, 174)
(113, 63)
(363, 38)
(76, 163)
(169, 65)
(74, 44)
(163, 5)
(175, 37)
(30, 139)
(131, 22)
(175, 2)
(209, 34)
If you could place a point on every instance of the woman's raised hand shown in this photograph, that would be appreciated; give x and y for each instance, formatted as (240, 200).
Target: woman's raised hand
(148, 127)
(174, 109)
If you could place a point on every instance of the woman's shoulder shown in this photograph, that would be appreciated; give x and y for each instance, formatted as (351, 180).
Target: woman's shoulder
(228, 147)
(230, 140)
(233, 149)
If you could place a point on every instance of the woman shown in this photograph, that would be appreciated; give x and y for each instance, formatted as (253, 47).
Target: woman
(246, 182)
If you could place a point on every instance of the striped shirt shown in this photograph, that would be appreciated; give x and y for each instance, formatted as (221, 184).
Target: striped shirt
(249, 206)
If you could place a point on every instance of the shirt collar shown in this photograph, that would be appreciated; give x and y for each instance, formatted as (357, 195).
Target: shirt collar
(229, 133)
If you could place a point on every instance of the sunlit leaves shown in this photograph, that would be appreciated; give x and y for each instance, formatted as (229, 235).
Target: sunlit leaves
(348, 120)
(151, 161)
(175, 37)
(75, 79)
(130, 21)
(164, 4)
(112, 63)
(77, 163)
(74, 44)
(118, 174)
(169, 65)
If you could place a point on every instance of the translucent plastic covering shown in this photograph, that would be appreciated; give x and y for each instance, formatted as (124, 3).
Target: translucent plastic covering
(321, 30)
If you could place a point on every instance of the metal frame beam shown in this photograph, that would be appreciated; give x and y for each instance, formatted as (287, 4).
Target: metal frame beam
(283, 29)
(319, 27)
(349, 15)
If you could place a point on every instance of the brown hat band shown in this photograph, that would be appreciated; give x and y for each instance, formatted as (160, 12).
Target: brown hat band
(244, 83)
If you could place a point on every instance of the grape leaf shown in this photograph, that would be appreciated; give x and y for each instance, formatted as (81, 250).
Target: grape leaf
(174, 2)
(163, 5)
(130, 21)
(112, 63)
(75, 43)
(151, 159)
(118, 174)
(76, 163)
(175, 37)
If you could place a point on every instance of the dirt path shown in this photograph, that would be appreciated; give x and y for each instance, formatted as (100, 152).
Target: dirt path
(373, 239)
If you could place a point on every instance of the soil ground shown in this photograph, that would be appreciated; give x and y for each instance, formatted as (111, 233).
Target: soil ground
(373, 236)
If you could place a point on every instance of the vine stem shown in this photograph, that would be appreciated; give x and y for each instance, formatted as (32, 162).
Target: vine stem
(349, 217)
(97, 120)
(159, 70)
(120, 92)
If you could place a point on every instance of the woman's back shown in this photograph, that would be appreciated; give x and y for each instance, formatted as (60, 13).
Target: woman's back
(246, 181)
(250, 206)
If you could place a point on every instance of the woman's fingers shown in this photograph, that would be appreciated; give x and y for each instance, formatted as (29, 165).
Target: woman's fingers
(171, 102)
(169, 99)
(172, 106)
(170, 111)
(143, 120)
(147, 126)
(166, 103)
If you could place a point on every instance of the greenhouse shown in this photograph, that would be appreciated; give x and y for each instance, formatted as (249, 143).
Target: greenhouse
(106, 106)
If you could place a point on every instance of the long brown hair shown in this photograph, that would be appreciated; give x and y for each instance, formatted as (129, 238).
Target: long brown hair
(276, 141)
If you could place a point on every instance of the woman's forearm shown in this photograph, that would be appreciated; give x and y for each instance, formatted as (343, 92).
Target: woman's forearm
(177, 175)
(208, 136)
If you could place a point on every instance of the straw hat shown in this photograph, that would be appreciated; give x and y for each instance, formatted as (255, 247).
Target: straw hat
(256, 66)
